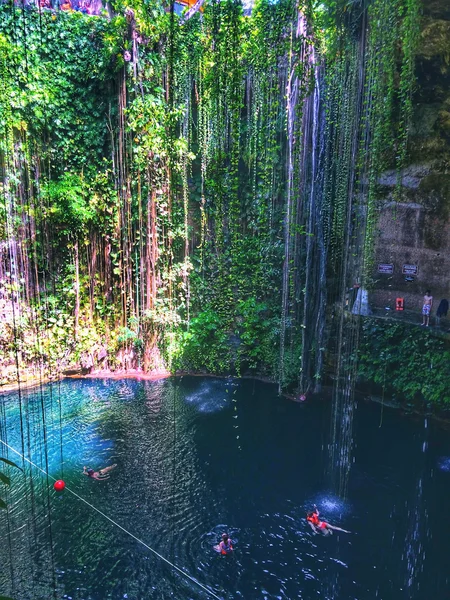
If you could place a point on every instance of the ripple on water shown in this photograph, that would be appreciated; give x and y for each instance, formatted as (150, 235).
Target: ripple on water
(330, 504)
(444, 463)
(213, 536)
(211, 396)
(178, 490)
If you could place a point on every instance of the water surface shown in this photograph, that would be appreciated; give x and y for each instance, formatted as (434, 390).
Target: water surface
(196, 457)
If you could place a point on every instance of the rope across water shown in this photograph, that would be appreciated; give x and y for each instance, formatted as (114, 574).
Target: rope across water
(204, 588)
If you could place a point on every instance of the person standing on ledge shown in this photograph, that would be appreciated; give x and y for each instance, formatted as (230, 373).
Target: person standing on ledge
(426, 308)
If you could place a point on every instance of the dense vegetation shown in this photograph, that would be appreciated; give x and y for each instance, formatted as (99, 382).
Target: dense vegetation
(405, 362)
(197, 194)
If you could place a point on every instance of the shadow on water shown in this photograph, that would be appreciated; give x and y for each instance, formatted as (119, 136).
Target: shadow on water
(197, 457)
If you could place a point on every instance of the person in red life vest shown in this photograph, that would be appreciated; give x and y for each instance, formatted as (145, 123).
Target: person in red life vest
(319, 526)
(225, 546)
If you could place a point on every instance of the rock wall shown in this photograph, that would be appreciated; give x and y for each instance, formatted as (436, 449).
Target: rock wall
(416, 231)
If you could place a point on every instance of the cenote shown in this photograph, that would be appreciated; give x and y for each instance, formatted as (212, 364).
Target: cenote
(198, 456)
(210, 207)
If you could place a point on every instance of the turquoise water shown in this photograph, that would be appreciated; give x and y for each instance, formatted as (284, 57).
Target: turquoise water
(196, 457)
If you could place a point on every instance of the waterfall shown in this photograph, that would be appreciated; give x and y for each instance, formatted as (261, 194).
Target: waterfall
(314, 290)
(349, 231)
(11, 281)
(292, 236)
(304, 267)
(292, 91)
(414, 553)
(11, 267)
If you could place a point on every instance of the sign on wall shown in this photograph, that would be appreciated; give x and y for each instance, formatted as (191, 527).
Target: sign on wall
(386, 269)
(410, 269)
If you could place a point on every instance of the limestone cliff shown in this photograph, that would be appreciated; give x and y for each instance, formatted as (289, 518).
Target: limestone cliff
(416, 230)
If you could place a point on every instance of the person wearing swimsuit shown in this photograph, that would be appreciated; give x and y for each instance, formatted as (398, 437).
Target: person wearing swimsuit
(225, 546)
(321, 526)
(426, 308)
(100, 474)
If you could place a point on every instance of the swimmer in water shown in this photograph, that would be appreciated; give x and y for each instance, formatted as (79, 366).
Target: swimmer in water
(100, 474)
(319, 526)
(225, 546)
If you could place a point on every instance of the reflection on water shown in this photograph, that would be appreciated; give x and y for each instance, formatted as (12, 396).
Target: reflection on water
(211, 396)
(186, 473)
(444, 463)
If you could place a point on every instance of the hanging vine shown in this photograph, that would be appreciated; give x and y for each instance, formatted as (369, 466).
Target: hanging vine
(217, 173)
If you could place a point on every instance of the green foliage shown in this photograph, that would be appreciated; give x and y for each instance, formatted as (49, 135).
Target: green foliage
(259, 335)
(409, 361)
(152, 20)
(409, 33)
(67, 204)
(130, 337)
(59, 66)
(147, 159)
(205, 347)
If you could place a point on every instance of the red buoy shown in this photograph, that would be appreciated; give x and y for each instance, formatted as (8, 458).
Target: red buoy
(59, 485)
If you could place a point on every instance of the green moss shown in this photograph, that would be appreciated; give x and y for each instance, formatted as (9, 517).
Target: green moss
(410, 362)
(444, 122)
(428, 149)
(435, 39)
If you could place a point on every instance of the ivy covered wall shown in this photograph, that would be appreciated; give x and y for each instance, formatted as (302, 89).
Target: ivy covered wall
(195, 194)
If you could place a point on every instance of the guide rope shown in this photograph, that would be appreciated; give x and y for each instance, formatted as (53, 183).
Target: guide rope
(203, 587)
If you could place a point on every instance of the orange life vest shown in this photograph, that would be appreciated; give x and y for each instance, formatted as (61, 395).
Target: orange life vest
(314, 519)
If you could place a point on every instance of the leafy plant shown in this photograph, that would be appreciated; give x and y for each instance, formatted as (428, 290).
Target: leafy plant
(205, 347)
(145, 183)
(409, 361)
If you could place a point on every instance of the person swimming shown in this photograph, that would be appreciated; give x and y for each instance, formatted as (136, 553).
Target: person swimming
(225, 546)
(319, 526)
(100, 474)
